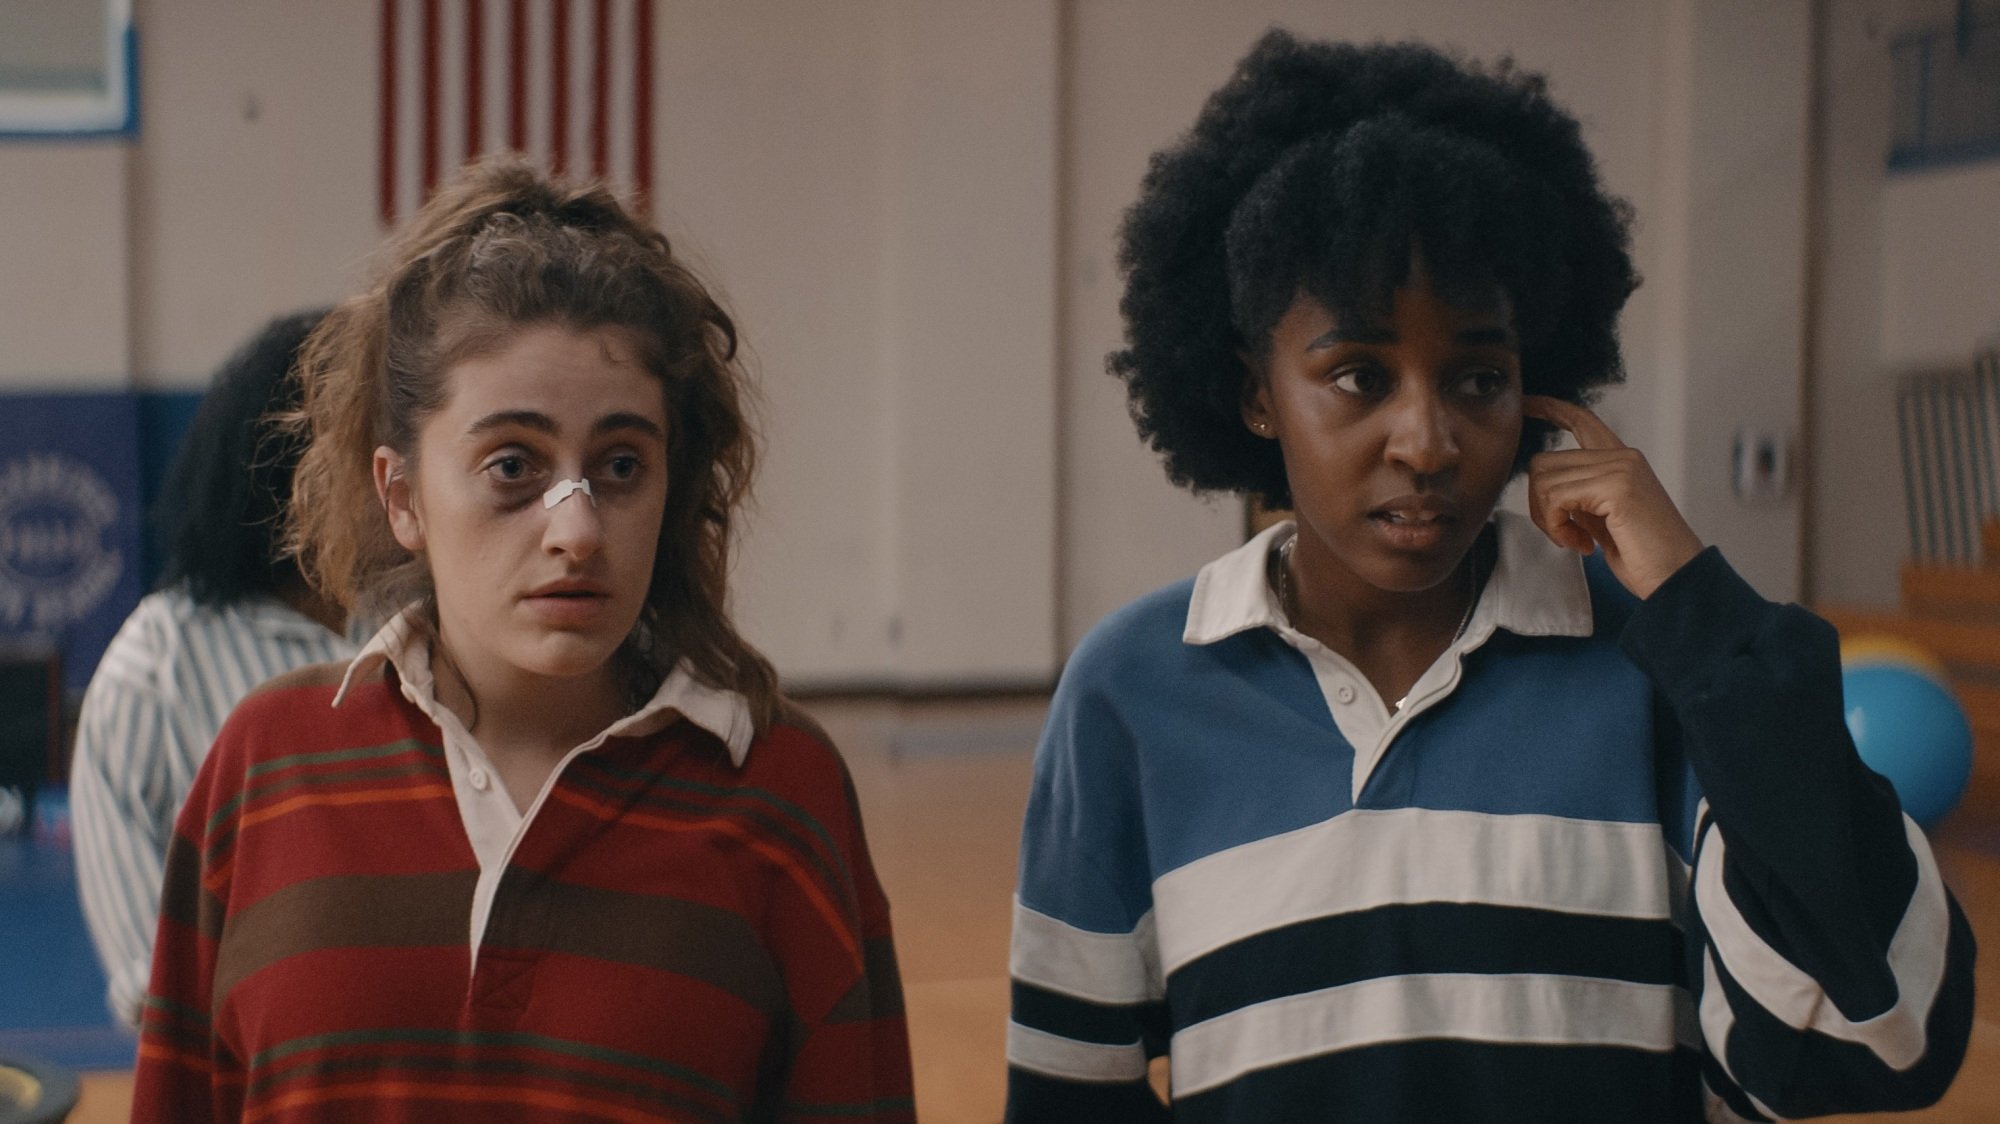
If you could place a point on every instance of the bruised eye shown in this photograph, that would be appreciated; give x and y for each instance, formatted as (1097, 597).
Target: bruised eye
(622, 467)
(509, 469)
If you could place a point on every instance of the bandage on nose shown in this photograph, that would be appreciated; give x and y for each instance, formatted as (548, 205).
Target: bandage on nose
(561, 492)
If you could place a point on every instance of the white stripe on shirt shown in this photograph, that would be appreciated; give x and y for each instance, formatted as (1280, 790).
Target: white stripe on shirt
(1554, 863)
(1718, 1018)
(1116, 968)
(1525, 1008)
(1054, 1056)
(1916, 958)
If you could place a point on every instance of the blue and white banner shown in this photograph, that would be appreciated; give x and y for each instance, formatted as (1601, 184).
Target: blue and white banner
(69, 523)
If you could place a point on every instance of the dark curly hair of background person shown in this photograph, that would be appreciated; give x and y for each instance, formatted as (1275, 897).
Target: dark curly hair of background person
(219, 513)
(1319, 168)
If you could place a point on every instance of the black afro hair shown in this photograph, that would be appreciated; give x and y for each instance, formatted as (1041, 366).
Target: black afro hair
(1321, 168)
(219, 513)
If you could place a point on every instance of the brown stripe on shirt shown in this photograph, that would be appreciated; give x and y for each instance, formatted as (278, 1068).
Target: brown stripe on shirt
(184, 900)
(341, 911)
(703, 942)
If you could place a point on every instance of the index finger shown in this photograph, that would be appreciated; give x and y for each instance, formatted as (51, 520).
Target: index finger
(1588, 429)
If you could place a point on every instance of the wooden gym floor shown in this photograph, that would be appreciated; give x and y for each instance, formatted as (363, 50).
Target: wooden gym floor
(942, 786)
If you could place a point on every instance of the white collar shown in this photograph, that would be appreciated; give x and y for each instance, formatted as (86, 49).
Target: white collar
(721, 712)
(1537, 588)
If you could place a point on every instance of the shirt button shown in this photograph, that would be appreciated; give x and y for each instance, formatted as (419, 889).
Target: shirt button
(479, 779)
(1344, 693)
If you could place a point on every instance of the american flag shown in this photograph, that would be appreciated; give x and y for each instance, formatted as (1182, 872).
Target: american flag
(567, 82)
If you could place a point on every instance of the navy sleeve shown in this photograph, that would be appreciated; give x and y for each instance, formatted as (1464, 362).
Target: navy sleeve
(1088, 1009)
(1833, 969)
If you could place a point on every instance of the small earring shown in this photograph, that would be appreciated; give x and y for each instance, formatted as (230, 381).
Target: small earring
(1263, 428)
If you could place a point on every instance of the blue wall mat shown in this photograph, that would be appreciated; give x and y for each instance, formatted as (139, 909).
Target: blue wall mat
(70, 553)
(164, 417)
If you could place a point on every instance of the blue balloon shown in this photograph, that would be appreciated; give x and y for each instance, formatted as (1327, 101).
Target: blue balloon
(1909, 729)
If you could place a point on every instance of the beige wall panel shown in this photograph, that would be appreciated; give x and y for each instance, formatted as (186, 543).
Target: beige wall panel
(1940, 265)
(254, 184)
(1735, 208)
(63, 266)
(972, 331)
(1857, 527)
(770, 173)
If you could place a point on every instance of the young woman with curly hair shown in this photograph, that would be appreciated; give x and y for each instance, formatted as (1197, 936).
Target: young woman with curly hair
(1413, 810)
(552, 846)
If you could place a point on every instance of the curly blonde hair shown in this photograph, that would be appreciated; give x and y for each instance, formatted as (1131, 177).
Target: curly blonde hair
(500, 249)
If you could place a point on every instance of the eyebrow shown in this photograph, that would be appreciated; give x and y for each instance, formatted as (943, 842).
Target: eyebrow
(610, 423)
(542, 423)
(1471, 337)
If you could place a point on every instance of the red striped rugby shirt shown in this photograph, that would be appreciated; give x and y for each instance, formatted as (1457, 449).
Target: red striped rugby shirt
(358, 924)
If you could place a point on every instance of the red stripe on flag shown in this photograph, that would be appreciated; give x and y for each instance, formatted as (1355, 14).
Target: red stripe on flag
(517, 76)
(435, 72)
(386, 153)
(600, 92)
(431, 96)
(642, 109)
(475, 78)
(559, 87)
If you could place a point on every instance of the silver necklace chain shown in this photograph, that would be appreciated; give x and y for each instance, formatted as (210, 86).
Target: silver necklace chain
(1289, 602)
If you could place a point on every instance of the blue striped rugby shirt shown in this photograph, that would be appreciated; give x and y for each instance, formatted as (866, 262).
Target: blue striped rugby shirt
(1610, 860)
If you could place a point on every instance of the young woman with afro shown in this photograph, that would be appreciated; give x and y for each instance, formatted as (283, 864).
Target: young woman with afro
(1414, 810)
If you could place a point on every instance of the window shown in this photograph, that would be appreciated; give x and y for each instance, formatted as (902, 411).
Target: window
(1947, 89)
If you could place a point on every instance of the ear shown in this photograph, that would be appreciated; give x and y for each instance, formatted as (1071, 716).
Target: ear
(1256, 402)
(392, 487)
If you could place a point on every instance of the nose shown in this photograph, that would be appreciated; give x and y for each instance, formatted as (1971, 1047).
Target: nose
(1420, 436)
(574, 528)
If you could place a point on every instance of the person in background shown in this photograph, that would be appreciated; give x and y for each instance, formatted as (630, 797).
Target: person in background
(1413, 809)
(230, 612)
(552, 846)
